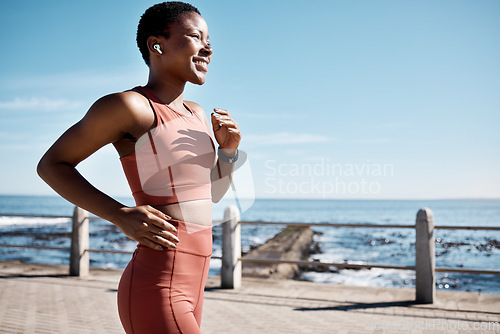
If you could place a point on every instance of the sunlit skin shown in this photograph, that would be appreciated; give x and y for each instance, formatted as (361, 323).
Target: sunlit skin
(122, 118)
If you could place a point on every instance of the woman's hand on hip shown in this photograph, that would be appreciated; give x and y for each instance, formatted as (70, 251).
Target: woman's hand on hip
(148, 226)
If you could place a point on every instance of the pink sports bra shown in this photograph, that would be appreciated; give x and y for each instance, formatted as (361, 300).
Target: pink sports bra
(172, 162)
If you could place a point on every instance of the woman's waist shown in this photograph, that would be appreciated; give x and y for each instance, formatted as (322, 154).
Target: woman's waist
(194, 212)
(194, 239)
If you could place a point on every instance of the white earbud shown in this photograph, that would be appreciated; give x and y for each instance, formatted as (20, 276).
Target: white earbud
(157, 48)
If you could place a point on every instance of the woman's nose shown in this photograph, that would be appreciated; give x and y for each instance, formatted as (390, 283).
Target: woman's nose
(207, 50)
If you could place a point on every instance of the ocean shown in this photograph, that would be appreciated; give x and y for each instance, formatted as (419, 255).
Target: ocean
(454, 248)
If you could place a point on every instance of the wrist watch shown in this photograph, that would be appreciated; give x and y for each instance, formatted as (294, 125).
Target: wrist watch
(225, 158)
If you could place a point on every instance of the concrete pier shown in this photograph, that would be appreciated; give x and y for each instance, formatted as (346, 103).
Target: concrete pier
(292, 243)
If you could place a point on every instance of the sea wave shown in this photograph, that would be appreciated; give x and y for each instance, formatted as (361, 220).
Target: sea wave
(365, 277)
(6, 221)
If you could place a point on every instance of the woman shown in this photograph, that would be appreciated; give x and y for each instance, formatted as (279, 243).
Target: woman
(168, 156)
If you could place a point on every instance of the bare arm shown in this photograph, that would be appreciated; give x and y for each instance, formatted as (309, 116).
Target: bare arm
(107, 121)
(221, 178)
(227, 134)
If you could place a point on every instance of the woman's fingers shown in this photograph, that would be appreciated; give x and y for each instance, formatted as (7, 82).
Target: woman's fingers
(156, 238)
(219, 121)
(161, 241)
(226, 129)
(160, 219)
(155, 242)
(235, 132)
(223, 117)
(148, 226)
(215, 122)
(164, 234)
(228, 124)
(148, 243)
(160, 230)
(221, 111)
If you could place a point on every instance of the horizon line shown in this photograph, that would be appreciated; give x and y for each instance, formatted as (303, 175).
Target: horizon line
(296, 198)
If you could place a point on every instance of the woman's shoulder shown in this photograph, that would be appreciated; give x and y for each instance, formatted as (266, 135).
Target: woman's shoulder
(127, 111)
(128, 101)
(195, 106)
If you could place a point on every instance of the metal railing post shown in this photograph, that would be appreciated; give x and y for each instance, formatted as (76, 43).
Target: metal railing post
(231, 249)
(425, 257)
(79, 257)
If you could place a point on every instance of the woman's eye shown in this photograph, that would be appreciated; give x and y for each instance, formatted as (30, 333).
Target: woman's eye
(195, 36)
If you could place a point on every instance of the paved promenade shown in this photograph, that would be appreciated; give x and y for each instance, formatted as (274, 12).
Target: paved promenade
(43, 299)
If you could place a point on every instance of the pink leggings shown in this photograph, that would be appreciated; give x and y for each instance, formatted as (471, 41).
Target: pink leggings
(162, 291)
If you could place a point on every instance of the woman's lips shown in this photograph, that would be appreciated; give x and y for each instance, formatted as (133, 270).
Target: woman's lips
(201, 65)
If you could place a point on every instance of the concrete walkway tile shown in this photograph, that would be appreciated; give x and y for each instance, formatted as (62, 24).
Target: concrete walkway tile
(42, 299)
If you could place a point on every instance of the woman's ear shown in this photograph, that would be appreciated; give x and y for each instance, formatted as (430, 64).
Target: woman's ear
(154, 46)
(157, 48)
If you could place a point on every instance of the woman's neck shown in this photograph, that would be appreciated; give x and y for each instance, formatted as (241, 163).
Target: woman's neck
(170, 92)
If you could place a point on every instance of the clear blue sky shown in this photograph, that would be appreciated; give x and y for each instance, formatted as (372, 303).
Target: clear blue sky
(335, 99)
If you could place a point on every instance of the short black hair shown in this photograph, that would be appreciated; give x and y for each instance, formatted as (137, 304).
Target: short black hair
(155, 22)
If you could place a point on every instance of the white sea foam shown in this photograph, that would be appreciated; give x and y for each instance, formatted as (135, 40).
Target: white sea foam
(109, 265)
(347, 255)
(6, 221)
(365, 277)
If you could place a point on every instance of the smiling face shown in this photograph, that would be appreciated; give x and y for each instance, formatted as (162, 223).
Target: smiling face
(186, 51)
